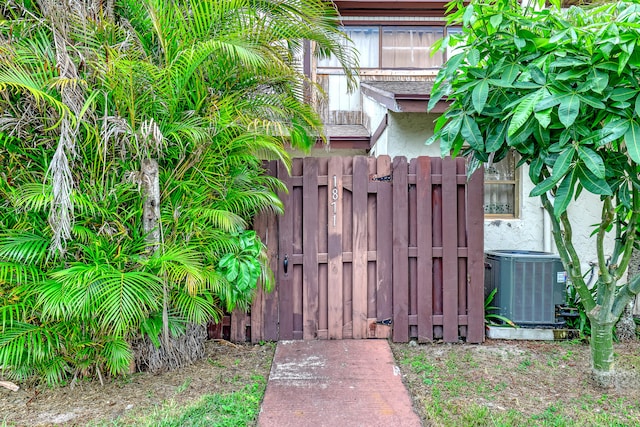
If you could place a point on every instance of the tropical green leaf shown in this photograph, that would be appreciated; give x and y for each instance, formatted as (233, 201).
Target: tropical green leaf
(569, 109)
(592, 183)
(632, 141)
(593, 161)
(564, 194)
(479, 95)
(523, 111)
(496, 138)
(471, 133)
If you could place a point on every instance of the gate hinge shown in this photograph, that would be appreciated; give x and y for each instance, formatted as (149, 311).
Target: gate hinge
(385, 322)
(386, 178)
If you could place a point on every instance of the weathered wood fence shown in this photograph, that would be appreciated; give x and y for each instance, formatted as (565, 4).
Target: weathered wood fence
(372, 248)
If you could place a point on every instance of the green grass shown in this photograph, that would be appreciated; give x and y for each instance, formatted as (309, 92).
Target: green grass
(234, 409)
(451, 387)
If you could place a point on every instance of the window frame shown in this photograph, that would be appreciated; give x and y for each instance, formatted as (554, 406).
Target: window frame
(380, 25)
(516, 183)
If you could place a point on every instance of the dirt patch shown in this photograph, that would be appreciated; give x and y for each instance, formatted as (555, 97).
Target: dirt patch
(526, 381)
(225, 369)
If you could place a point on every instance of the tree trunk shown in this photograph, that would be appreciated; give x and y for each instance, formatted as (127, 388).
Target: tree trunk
(151, 210)
(602, 353)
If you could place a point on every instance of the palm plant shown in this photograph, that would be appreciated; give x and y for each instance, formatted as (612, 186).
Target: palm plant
(207, 88)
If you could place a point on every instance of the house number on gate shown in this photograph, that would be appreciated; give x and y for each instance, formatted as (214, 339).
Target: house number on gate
(334, 196)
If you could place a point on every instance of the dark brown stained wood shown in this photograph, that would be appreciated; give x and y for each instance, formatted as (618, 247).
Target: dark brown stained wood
(335, 215)
(270, 299)
(359, 263)
(462, 243)
(258, 305)
(310, 248)
(436, 209)
(264, 325)
(372, 226)
(449, 251)
(323, 271)
(238, 326)
(407, 247)
(384, 241)
(400, 251)
(412, 244)
(475, 260)
(425, 243)
(285, 252)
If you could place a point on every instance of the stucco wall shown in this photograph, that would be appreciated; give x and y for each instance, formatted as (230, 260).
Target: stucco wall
(405, 136)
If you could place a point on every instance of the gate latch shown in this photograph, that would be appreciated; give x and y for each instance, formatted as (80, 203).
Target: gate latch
(385, 322)
(386, 178)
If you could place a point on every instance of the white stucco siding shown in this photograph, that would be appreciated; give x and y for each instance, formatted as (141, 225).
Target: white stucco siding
(406, 135)
(375, 114)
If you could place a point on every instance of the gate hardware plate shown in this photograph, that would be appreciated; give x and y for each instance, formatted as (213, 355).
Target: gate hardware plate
(386, 178)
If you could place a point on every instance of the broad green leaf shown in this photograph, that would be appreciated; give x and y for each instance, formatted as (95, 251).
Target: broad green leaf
(479, 96)
(612, 131)
(624, 195)
(468, 14)
(599, 81)
(510, 73)
(563, 163)
(560, 169)
(592, 102)
(543, 187)
(496, 20)
(569, 109)
(471, 133)
(519, 42)
(632, 140)
(567, 62)
(496, 137)
(523, 111)
(564, 194)
(544, 117)
(473, 56)
(592, 183)
(637, 109)
(623, 94)
(537, 75)
(548, 102)
(535, 168)
(592, 161)
(449, 134)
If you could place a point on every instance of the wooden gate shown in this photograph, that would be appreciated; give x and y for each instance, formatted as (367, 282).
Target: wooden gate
(370, 248)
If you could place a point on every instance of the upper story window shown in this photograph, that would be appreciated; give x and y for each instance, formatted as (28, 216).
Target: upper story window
(394, 46)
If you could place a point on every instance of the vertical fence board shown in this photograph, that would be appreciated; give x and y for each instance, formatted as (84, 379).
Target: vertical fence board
(425, 250)
(270, 299)
(285, 251)
(360, 178)
(449, 251)
(400, 251)
(475, 262)
(384, 243)
(310, 249)
(462, 243)
(238, 326)
(334, 250)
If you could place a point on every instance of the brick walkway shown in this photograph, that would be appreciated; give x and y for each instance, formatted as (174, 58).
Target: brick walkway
(336, 383)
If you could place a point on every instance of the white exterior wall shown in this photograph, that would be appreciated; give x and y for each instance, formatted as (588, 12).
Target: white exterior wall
(375, 114)
(405, 136)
